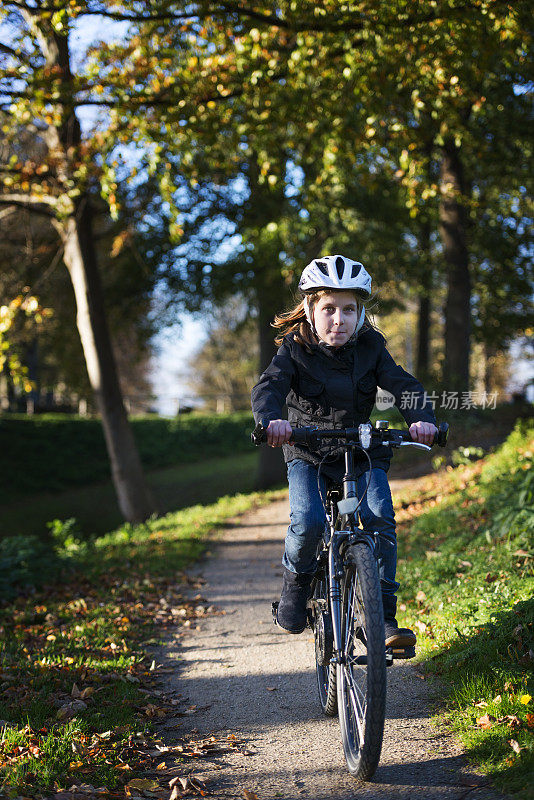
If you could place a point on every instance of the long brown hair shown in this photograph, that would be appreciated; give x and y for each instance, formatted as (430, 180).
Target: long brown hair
(294, 321)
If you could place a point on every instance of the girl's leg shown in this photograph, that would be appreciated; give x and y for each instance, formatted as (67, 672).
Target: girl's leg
(306, 527)
(307, 517)
(377, 514)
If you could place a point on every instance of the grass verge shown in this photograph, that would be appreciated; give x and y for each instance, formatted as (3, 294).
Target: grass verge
(95, 507)
(466, 535)
(75, 665)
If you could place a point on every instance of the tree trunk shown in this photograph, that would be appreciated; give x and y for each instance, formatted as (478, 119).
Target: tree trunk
(453, 234)
(80, 258)
(423, 316)
(76, 232)
(423, 339)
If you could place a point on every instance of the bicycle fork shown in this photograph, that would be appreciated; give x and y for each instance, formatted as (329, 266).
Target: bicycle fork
(334, 595)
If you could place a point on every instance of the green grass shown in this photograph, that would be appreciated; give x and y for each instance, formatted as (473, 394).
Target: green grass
(86, 638)
(466, 536)
(95, 506)
(56, 452)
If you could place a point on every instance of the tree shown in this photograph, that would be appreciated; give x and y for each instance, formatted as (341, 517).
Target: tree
(225, 368)
(44, 96)
(303, 83)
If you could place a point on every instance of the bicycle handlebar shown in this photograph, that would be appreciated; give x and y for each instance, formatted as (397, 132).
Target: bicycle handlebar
(363, 435)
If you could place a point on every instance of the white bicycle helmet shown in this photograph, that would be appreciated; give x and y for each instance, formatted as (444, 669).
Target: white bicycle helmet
(337, 273)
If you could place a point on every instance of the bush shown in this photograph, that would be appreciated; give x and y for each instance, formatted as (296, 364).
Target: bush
(26, 561)
(54, 453)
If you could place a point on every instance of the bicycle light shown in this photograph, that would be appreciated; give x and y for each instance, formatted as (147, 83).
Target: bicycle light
(364, 432)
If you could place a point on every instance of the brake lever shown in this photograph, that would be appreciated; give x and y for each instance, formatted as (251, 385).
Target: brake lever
(415, 444)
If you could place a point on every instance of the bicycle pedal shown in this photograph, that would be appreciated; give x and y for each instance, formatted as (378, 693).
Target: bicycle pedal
(400, 652)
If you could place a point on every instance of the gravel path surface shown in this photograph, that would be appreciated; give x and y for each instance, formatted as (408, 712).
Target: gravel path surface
(249, 680)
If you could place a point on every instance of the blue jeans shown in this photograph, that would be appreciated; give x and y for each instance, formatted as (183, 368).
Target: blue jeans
(308, 521)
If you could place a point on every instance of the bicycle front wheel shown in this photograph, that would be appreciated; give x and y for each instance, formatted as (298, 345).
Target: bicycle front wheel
(361, 678)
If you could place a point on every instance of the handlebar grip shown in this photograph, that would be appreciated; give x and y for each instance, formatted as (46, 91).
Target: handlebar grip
(259, 435)
(299, 435)
(442, 435)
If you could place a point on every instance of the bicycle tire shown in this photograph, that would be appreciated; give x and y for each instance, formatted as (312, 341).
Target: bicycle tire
(361, 680)
(325, 673)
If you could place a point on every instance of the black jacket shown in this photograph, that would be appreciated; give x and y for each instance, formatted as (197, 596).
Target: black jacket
(335, 388)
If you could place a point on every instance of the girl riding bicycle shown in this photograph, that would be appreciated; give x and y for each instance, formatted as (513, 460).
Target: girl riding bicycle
(328, 367)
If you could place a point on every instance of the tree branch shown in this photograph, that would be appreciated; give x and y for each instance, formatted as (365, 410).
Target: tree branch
(327, 26)
(4, 48)
(42, 206)
(340, 25)
(120, 16)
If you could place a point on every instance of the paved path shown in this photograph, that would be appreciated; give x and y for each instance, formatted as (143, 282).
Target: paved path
(257, 683)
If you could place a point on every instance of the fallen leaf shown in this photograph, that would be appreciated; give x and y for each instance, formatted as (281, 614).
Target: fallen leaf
(71, 709)
(515, 746)
(142, 784)
(420, 596)
(183, 786)
(249, 795)
(271, 688)
(486, 721)
(513, 721)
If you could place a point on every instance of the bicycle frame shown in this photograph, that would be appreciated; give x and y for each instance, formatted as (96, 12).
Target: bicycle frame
(333, 541)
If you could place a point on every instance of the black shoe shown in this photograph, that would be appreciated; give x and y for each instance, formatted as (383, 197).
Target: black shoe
(398, 637)
(292, 615)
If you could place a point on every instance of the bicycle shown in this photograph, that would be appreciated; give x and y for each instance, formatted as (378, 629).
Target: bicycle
(345, 608)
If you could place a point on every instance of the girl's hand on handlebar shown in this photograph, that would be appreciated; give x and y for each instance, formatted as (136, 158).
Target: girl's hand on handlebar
(278, 432)
(423, 432)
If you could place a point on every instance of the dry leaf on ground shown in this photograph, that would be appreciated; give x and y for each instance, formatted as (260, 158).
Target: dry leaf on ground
(182, 787)
(486, 721)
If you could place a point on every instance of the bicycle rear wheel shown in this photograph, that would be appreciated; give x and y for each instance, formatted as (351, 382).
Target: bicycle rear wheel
(322, 629)
(361, 679)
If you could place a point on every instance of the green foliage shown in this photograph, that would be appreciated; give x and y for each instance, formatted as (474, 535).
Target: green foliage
(468, 569)
(43, 449)
(66, 535)
(463, 455)
(24, 561)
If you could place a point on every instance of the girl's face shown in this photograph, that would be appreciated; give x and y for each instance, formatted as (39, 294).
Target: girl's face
(335, 316)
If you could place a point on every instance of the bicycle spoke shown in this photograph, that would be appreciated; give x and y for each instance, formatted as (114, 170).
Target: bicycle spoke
(358, 708)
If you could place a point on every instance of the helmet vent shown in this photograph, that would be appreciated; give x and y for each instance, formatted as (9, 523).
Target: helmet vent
(323, 267)
(355, 270)
(340, 267)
